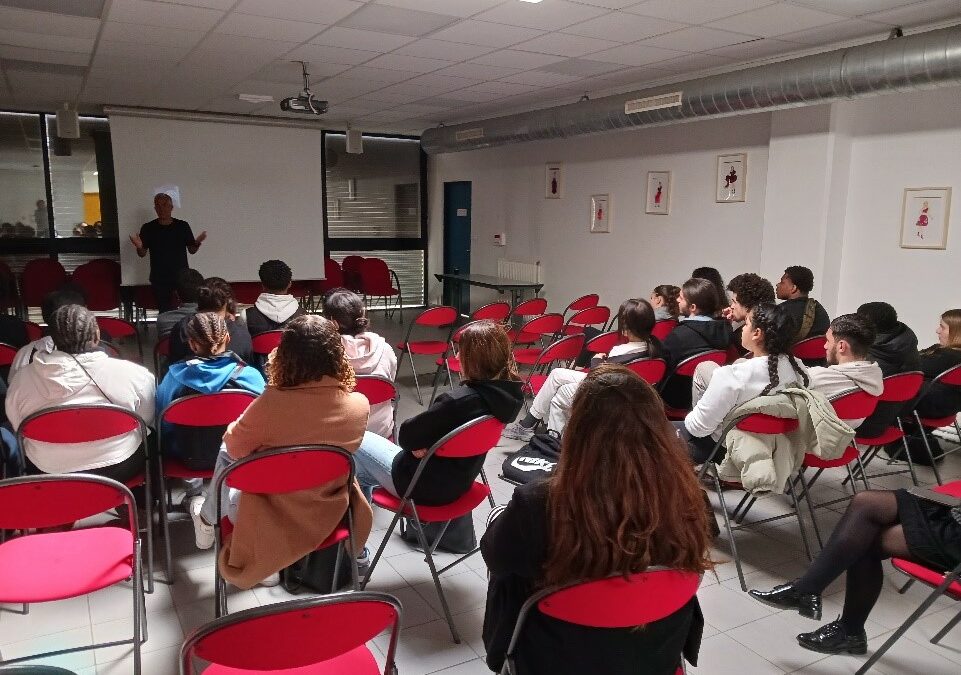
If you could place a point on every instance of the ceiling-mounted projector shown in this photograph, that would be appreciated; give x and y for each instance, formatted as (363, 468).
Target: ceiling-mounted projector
(304, 102)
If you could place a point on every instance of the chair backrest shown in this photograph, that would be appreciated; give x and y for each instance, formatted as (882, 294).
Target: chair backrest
(663, 328)
(471, 439)
(100, 281)
(650, 370)
(950, 377)
(144, 297)
(80, 424)
(34, 330)
(583, 302)
(289, 469)
(117, 328)
(351, 269)
(902, 386)
(266, 342)
(284, 636)
(441, 315)
(54, 499)
(208, 410)
(40, 276)
(855, 404)
(532, 307)
(334, 276)
(604, 343)
(246, 292)
(7, 354)
(546, 324)
(377, 388)
(686, 367)
(591, 316)
(494, 311)
(811, 348)
(375, 277)
(566, 348)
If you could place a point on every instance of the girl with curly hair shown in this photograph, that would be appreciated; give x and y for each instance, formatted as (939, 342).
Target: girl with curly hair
(309, 400)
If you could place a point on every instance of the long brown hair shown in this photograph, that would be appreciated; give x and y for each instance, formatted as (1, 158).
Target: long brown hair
(310, 349)
(486, 353)
(624, 495)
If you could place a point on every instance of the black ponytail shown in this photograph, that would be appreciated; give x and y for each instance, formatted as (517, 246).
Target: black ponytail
(779, 329)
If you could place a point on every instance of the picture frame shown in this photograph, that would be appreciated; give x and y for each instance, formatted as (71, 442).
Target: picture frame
(554, 180)
(601, 214)
(925, 214)
(658, 193)
(731, 181)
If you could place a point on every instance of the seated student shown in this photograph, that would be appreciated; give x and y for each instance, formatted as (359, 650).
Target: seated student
(308, 401)
(768, 335)
(793, 288)
(275, 307)
(895, 347)
(941, 400)
(189, 282)
(698, 332)
(664, 302)
(635, 319)
(76, 373)
(490, 386)
(13, 331)
(214, 296)
(368, 352)
(712, 275)
(748, 290)
(848, 340)
(618, 449)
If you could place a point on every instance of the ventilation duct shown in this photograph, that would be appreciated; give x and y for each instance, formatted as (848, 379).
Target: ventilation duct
(922, 61)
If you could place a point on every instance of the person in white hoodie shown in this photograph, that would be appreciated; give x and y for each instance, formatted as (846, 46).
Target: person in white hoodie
(75, 373)
(368, 352)
(275, 307)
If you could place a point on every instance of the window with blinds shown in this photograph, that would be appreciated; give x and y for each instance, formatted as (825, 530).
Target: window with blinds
(409, 266)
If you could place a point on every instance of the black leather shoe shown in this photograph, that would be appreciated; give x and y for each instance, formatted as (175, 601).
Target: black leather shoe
(785, 597)
(833, 638)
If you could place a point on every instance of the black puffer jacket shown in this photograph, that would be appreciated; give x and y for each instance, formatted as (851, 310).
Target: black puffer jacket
(896, 351)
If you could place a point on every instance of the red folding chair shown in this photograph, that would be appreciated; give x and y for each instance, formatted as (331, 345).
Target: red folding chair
(333, 277)
(593, 316)
(543, 327)
(810, 350)
(564, 350)
(45, 567)
(378, 389)
(266, 342)
(277, 471)
(663, 328)
(161, 354)
(283, 638)
(350, 266)
(761, 424)
(946, 583)
(686, 369)
(7, 354)
(91, 424)
(34, 331)
(450, 360)
(39, 277)
(604, 343)
(100, 281)
(143, 300)
(474, 438)
(195, 410)
(441, 316)
(118, 328)
(527, 309)
(377, 280)
(615, 602)
(648, 369)
(582, 303)
(492, 311)
(246, 292)
(951, 378)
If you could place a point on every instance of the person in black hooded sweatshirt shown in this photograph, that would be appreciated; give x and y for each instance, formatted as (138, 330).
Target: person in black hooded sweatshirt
(895, 347)
(491, 386)
(698, 332)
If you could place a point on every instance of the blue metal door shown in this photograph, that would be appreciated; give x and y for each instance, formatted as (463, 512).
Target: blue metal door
(457, 213)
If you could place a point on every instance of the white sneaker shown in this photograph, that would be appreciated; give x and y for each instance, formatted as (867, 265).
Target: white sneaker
(203, 533)
(518, 432)
(271, 581)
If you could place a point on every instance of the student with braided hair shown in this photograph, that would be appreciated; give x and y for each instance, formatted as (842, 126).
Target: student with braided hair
(768, 334)
(76, 373)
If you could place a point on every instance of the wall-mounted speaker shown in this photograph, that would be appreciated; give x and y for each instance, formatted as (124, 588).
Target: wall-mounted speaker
(68, 123)
(355, 142)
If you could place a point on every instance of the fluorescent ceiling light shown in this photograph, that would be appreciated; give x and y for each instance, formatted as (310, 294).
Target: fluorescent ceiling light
(531, 1)
(255, 98)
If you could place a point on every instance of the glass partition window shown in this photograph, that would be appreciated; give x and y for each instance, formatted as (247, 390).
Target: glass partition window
(23, 192)
(74, 180)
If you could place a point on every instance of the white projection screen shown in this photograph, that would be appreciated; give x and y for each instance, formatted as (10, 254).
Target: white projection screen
(256, 190)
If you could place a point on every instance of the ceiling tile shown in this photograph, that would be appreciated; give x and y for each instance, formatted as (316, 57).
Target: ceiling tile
(418, 109)
(772, 20)
(210, 4)
(692, 63)
(288, 73)
(45, 85)
(257, 86)
(511, 58)
(337, 55)
(316, 11)
(757, 49)
(408, 63)
(696, 11)
(149, 13)
(622, 27)
(376, 75)
(48, 24)
(636, 55)
(122, 51)
(581, 67)
(232, 104)
(487, 34)
(474, 95)
(434, 84)
(562, 44)
(397, 21)
(351, 38)
(462, 8)
(150, 35)
(342, 87)
(389, 96)
(218, 44)
(539, 78)
(439, 49)
(696, 39)
(444, 102)
(837, 32)
(609, 4)
(504, 88)
(630, 76)
(43, 55)
(19, 38)
(918, 14)
(854, 7)
(269, 28)
(477, 71)
(546, 15)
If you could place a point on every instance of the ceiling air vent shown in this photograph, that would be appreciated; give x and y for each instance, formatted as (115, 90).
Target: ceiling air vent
(639, 105)
(469, 134)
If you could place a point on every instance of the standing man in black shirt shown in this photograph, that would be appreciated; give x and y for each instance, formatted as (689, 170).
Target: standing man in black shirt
(168, 239)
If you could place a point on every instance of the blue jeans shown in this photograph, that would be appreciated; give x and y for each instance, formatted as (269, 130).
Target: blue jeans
(374, 459)
(229, 497)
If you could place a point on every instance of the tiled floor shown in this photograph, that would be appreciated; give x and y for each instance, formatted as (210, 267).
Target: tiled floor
(742, 636)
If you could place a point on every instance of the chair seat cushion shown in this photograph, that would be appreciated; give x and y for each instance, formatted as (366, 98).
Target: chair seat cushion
(59, 565)
(890, 435)
(850, 455)
(358, 661)
(926, 575)
(174, 468)
(938, 422)
(436, 514)
(423, 347)
(534, 384)
(339, 534)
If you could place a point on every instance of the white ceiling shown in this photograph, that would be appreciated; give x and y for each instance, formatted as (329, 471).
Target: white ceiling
(404, 65)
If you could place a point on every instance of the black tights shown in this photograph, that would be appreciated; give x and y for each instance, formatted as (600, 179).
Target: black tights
(868, 533)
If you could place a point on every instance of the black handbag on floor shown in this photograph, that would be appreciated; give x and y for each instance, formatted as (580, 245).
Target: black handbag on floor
(459, 537)
(534, 461)
(314, 573)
